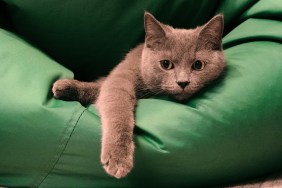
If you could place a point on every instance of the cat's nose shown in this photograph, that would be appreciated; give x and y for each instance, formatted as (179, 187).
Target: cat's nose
(183, 84)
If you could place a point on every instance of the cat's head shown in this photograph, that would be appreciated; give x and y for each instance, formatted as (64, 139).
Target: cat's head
(179, 62)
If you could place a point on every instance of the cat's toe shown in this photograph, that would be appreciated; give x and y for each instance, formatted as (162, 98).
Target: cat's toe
(117, 157)
(58, 88)
(63, 89)
(116, 161)
(117, 167)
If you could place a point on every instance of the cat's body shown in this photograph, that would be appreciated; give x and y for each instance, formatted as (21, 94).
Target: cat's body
(175, 62)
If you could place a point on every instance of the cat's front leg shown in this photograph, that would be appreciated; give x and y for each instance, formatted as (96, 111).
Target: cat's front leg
(116, 105)
(74, 90)
(117, 152)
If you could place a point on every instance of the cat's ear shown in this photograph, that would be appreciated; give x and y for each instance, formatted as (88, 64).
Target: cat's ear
(155, 31)
(210, 36)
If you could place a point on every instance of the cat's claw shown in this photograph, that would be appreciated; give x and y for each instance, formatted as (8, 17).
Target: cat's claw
(117, 165)
(64, 89)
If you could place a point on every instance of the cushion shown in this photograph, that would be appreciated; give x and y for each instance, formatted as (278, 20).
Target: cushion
(229, 132)
(95, 34)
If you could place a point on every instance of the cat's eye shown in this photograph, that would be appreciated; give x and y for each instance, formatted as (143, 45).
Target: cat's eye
(198, 65)
(166, 64)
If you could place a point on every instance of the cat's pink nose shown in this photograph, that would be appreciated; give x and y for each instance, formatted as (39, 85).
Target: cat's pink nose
(183, 84)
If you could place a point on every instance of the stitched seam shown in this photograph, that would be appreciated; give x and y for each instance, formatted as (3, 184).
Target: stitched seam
(71, 125)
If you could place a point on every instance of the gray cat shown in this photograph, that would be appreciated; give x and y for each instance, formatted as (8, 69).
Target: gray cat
(174, 62)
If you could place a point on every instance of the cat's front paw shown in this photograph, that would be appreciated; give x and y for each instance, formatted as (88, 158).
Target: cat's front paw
(65, 89)
(118, 161)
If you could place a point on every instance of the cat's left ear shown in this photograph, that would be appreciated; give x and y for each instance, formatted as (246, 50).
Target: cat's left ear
(210, 36)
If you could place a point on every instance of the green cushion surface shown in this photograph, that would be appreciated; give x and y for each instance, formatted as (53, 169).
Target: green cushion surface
(95, 34)
(229, 132)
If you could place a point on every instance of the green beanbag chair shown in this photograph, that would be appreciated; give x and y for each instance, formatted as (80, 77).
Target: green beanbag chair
(229, 132)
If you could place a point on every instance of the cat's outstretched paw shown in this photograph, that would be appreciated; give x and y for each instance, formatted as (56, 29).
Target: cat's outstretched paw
(65, 89)
(118, 162)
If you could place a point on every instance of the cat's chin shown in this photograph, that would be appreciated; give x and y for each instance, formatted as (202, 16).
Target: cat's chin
(181, 96)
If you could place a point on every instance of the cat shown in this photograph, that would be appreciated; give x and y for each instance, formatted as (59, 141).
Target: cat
(173, 62)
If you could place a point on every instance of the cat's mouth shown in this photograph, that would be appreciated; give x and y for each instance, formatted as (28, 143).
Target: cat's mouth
(181, 96)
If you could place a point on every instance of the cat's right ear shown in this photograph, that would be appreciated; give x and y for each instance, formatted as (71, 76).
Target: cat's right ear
(155, 32)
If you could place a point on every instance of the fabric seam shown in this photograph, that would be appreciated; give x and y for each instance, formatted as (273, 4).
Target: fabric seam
(71, 125)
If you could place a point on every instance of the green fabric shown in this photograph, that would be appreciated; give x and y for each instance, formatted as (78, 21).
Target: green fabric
(229, 132)
(81, 35)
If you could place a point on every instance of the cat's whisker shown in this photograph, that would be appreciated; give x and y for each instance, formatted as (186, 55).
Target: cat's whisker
(152, 92)
(144, 95)
(157, 92)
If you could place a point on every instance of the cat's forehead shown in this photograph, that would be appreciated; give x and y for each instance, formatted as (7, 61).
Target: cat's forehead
(181, 41)
(184, 39)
